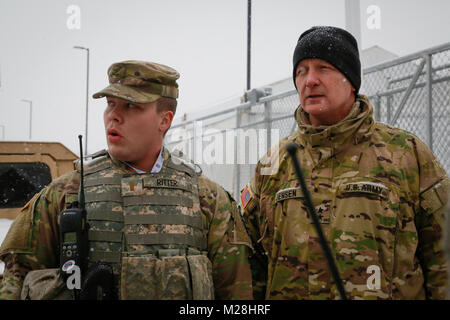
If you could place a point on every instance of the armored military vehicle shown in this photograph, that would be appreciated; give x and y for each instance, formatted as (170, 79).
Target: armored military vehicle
(27, 167)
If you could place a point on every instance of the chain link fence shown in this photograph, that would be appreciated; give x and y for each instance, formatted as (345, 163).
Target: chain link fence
(411, 92)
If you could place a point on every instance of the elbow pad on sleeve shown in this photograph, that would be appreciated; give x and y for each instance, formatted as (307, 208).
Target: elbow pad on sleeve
(436, 197)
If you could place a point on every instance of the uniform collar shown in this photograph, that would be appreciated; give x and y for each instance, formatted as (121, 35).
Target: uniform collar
(156, 167)
(355, 127)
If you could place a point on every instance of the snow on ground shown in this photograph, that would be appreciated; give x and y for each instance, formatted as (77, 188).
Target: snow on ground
(4, 227)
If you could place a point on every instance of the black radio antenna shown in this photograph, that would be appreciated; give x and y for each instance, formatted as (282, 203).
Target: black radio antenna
(81, 200)
(291, 149)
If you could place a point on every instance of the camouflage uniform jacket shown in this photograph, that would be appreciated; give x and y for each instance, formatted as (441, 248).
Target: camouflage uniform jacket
(33, 240)
(379, 193)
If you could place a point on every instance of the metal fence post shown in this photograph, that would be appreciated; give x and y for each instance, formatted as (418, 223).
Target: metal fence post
(428, 59)
(237, 170)
(408, 92)
(267, 119)
(377, 107)
(194, 136)
(388, 108)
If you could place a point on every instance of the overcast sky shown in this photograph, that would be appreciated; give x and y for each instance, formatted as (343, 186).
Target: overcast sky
(205, 40)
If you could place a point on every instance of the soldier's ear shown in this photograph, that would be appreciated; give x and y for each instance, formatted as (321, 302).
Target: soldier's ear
(166, 120)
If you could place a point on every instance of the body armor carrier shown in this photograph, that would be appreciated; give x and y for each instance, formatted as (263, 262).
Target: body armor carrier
(150, 229)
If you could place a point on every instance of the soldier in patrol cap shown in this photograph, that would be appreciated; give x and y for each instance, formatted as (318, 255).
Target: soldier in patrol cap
(379, 192)
(166, 231)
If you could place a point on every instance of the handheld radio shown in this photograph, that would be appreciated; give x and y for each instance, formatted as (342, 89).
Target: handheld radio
(73, 231)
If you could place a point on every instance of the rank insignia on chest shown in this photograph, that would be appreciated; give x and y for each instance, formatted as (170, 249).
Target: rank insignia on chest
(246, 196)
(131, 185)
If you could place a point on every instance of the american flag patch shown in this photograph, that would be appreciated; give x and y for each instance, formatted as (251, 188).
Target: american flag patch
(246, 196)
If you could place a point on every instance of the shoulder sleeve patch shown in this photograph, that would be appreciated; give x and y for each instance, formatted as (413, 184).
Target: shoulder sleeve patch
(246, 196)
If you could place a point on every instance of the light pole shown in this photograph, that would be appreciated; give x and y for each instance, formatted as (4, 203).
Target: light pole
(249, 35)
(31, 114)
(87, 97)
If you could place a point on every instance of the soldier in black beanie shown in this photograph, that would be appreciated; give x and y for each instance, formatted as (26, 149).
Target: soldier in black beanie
(376, 190)
(334, 45)
(326, 74)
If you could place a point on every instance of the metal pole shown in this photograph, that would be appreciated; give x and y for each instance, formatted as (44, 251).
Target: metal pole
(249, 33)
(31, 114)
(377, 108)
(87, 98)
(267, 119)
(194, 143)
(353, 19)
(87, 102)
(408, 92)
(388, 109)
(429, 101)
(236, 150)
(388, 100)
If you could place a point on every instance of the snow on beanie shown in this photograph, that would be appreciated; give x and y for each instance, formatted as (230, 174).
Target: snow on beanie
(334, 45)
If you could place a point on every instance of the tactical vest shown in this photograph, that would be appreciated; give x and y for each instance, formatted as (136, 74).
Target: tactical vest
(150, 229)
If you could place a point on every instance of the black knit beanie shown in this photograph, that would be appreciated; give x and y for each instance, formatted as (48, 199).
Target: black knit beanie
(334, 45)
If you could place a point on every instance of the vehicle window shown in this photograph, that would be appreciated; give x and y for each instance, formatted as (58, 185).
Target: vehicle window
(20, 181)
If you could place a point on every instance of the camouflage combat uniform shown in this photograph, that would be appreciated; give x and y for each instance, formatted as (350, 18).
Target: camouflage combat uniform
(33, 240)
(446, 243)
(379, 193)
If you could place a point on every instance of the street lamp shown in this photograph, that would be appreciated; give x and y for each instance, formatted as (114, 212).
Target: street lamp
(87, 96)
(31, 113)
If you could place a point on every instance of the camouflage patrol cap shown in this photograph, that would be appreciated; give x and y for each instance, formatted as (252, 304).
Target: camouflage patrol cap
(140, 81)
